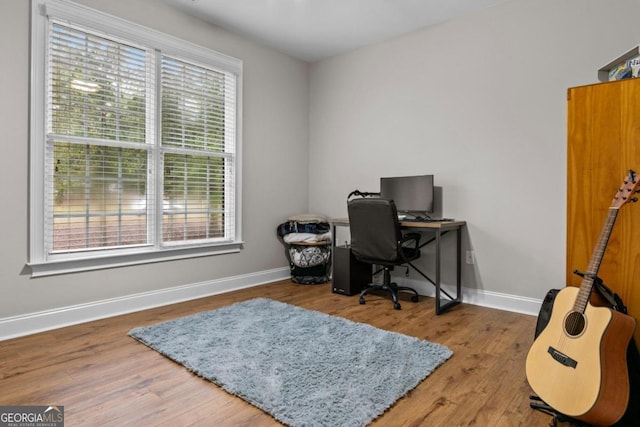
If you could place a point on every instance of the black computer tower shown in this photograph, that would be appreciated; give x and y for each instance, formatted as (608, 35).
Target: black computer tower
(350, 276)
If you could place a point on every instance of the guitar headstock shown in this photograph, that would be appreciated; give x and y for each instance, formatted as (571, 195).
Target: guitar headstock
(625, 194)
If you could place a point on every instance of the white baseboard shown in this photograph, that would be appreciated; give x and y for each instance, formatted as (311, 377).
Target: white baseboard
(514, 303)
(27, 324)
(32, 323)
(500, 301)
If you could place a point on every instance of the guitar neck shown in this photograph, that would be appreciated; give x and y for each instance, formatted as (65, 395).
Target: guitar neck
(594, 263)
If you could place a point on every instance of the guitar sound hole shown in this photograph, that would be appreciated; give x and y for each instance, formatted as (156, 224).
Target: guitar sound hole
(574, 323)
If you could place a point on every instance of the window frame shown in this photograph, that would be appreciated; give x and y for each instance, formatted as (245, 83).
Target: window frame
(43, 264)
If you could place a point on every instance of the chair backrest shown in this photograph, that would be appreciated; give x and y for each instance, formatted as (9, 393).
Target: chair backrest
(375, 230)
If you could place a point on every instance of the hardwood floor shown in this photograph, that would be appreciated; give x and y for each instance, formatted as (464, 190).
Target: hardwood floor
(103, 377)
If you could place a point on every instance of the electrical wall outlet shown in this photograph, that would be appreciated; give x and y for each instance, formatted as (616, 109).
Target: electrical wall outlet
(470, 258)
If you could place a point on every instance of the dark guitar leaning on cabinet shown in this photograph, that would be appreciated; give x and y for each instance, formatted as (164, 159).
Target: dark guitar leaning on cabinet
(578, 363)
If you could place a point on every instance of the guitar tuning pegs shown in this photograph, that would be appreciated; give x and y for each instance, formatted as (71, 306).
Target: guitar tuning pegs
(634, 199)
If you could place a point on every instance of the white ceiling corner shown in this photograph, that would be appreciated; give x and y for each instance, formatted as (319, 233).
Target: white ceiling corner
(312, 30)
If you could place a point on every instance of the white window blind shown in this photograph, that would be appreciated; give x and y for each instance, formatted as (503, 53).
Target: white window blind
(97, 143)
(135, 150)
(198, 136)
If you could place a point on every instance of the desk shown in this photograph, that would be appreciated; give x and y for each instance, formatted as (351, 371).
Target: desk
(439, 229)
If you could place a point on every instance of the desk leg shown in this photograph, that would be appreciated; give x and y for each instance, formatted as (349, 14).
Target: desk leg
(438, 260)
(333, 249)
(459, 267)
(441, 308)
(458, 299)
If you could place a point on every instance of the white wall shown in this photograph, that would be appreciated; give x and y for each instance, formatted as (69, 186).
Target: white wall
(480, 103)
(275, 177)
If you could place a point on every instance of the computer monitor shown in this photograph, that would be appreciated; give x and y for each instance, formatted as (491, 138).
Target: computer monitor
(411, 194)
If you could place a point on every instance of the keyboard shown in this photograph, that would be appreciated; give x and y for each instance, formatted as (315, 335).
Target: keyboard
(426, 219)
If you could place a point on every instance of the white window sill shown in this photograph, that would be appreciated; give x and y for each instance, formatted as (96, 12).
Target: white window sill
(55, 267)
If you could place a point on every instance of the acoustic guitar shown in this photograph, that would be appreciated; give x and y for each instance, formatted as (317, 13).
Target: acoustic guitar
(578, 363)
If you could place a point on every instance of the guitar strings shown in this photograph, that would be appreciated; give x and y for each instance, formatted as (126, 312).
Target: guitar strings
(575, 321)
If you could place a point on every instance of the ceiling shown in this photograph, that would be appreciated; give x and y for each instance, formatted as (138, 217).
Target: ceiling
(317, 29)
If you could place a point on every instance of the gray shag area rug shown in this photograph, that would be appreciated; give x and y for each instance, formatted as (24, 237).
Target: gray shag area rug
(303, 367)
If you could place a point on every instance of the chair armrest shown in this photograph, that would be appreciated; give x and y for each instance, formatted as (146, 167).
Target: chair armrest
(411, 240)
(409, 247)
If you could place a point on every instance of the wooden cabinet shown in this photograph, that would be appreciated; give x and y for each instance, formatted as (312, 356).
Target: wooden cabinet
(603, 144)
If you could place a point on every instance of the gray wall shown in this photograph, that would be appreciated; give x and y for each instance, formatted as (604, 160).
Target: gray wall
(480, 103)
(275, 177)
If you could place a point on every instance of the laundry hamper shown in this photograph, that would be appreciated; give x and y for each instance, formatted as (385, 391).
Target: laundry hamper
(308, 241)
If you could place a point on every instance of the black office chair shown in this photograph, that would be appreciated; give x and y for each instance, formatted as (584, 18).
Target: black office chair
(376, 238)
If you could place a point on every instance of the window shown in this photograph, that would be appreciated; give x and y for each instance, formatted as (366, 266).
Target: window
(134, 144)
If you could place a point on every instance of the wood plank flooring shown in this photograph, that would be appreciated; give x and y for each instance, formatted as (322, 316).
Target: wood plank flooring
(103, 377)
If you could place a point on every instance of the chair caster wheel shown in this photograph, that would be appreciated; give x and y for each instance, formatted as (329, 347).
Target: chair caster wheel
(361, 300)
(396, 305)
(414, 298)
